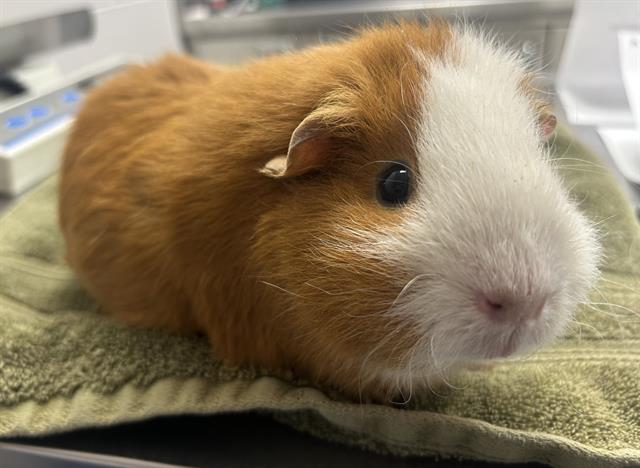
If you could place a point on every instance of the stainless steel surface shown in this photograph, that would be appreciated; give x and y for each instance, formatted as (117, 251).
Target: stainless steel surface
(537, 28)
(42, 35)
(300, 17)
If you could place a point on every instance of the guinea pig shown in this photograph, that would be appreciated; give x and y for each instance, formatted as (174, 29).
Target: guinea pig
(368, 214)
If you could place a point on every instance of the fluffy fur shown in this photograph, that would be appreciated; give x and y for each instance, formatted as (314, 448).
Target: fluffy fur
(490, 215)
(173, 219)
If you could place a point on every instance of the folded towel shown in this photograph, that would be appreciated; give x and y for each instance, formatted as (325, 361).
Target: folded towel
(577, 403)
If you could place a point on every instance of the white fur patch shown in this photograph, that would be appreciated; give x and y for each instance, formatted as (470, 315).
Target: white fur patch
(488, 213)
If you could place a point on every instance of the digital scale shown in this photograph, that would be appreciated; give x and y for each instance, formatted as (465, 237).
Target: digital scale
(38, 102)
(32, 137)
(33, 130)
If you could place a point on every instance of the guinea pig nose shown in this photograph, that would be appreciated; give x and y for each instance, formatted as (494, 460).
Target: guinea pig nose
(502, 308)
(492, 306)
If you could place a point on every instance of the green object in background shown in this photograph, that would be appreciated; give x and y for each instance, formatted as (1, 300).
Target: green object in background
(575, 404)
(270, 3)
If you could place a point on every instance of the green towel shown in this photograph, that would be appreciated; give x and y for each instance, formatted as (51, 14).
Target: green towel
(577, 403)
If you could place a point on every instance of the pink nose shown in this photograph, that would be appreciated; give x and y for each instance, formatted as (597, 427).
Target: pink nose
(503, 308)
(489, 306)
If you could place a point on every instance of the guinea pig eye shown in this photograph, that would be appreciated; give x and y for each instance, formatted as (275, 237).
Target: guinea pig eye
(394, 185)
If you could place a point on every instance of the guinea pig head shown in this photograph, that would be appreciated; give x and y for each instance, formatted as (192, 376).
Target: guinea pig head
(418, 221)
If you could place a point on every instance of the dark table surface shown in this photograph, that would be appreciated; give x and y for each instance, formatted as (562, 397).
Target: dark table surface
(228, 440)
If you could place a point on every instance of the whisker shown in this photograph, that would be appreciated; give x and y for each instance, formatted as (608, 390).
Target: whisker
(280, 288)
(581, 161)
(582, 324)
(622, 285)
(610, 304)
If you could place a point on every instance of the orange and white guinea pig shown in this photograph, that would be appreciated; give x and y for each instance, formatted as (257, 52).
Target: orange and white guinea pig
(368, 214)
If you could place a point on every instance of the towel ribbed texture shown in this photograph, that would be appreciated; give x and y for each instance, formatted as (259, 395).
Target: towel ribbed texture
(574, 404)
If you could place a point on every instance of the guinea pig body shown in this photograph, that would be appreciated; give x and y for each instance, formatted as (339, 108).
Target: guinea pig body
(367, 214)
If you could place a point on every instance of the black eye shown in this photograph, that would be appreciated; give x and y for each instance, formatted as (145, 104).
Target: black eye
(394, 184)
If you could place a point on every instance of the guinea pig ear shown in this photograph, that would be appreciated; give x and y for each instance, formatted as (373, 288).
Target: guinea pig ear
(547, 123)
(309, 148)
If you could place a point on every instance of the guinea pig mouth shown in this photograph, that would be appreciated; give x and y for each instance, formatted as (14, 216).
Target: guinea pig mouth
(503, 350)
(505, 347)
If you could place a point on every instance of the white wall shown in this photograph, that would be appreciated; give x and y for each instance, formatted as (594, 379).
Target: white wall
(139, 28)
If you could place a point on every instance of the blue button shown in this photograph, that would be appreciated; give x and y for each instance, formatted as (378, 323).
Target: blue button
(16, 122)
(38, 112)
(70, 96)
